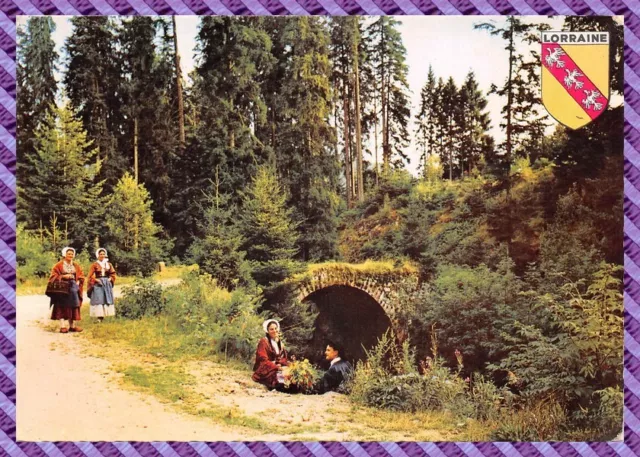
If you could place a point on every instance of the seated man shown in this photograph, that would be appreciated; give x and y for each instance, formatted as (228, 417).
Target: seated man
(338, 371)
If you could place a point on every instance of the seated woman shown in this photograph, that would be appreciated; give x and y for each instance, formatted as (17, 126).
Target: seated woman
(271, 356)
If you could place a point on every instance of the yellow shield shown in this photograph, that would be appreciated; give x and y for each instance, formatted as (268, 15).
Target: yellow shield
(575, 76)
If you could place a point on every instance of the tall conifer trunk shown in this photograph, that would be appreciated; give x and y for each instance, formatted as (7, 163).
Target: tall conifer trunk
(347, 140)
(356, 77)
(135, 148)
(178, 86)
(509, 145)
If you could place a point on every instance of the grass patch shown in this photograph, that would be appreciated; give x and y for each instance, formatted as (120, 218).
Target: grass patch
(174, 385)
(380, 425)
(173, 272)
(236, 418)
(37, 286)
(31, 286)
(374, 267)
(158, 336)
(167, 383)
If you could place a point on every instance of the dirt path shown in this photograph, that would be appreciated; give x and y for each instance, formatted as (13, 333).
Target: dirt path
(66, 394)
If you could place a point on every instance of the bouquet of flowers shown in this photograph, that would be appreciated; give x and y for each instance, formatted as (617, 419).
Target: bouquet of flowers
(300, 374)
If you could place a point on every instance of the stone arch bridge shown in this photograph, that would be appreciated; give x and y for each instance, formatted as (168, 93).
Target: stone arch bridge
(356, 303)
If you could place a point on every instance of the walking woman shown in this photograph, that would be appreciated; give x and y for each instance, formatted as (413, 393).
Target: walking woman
(66, 307)
(102, 277)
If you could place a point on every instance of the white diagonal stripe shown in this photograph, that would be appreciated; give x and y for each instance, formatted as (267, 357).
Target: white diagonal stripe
(10, 446)
(317, 449)
(165, 449)
(546, 449)
(8, 406)
(508, 449)
(432, 450)
(631, 230)
(370, 7)
(631, 154)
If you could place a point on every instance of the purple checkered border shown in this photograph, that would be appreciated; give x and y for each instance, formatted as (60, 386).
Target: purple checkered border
(10, 9)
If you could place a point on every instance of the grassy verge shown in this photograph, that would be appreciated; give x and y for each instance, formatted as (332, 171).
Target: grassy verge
(379, 425)
(37, 286)
(172, 384)
(154, 357)
(151, 355)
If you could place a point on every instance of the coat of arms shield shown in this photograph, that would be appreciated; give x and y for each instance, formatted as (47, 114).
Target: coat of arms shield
(575, 76)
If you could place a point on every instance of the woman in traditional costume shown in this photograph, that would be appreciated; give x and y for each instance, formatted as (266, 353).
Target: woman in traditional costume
(271, 356)
(66, 307)
(102, 278)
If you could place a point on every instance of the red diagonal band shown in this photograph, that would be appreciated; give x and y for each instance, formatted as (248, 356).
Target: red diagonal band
(574, 81)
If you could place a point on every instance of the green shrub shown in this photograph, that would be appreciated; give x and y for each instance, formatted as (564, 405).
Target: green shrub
(143, 262)
(538, 420)
(473, 308)
(142, 298)
(389, 379)
(222, 259)
(486, 398)
(32, 256)
(609, 411)
(579, 349)
(443, 390)
(227, 322)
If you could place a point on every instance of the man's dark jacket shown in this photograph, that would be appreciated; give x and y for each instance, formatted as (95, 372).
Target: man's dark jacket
(337, 373)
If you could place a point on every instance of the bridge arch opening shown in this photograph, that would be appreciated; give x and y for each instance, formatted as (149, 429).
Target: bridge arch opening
(348, 316)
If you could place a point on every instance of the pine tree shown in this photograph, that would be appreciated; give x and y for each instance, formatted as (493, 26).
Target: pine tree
(303, 138)
(474, 123)
(357, 108)
(523, 120)
(65, 183)
(388, 56)
(92, 81)
(449, 119)
(342, 59)
(345, 54)
(36, 87)
(178, 79)
(234, 57)
(136, 40)
(440, 121)
(219, 251)
(151, 135)
(268, 229)
(426, 120)
(133, 244)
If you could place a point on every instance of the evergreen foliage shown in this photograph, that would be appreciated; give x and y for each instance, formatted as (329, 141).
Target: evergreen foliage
(219, 252)
(516, 246)
(303, 136)
(148, 105)
(92, 82)
(133, 243)
(387, 56)
(37, 89)
(267, 228)
(65, 184)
